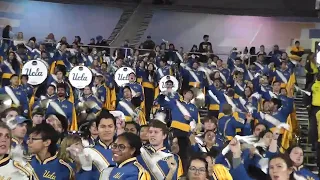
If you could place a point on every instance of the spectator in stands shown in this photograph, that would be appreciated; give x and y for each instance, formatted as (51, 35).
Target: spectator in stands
(7, 34)
(296, 51)
(77, 40)
(275, 51)
(315, 107)
(64, 41)
(203, 47)
(50, 38)
(311, 69)
(262, 50)
(149, 44)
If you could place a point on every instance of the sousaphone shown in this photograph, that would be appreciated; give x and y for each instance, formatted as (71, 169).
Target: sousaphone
(121, 77)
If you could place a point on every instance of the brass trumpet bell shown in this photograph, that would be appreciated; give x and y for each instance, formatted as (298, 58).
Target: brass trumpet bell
(5, 102)
(198, 97)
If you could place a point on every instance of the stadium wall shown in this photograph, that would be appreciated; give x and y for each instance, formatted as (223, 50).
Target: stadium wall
(38, 19)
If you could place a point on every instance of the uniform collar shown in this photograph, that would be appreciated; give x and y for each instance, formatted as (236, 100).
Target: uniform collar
(161, 149)
(298, 168)
(5, 160)
(103, 144)
(16, 141)
(186, 102)
(127, 162)
(61, 100)
(46, 160)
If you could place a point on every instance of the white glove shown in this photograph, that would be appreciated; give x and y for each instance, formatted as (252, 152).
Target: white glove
(17, 154)
(85, 161)
(193, 125)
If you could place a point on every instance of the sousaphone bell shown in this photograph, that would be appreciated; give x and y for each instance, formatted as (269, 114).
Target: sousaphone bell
(198, 97)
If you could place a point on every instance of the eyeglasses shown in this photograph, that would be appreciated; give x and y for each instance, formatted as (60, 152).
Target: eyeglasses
(196, 170)
(120, 147)
(31, 139)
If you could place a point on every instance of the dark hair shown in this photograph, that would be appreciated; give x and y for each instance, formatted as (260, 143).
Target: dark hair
(47, 132)
(5, 32)
(126, 87)
(63, 120)
(286, 159)
(297, 42)
(105, 114)
(262, 133)
(24, 75)
(210, 119)
(136, 125)
(188, 90)
(200, 158)
(136, 101)
(133, 140)
(205, 36)
(5, 112)
(13, 75)
(227, 109)
(276, 82)
(276, 102)
(158, 124)
(61, 85)
(213, 152)
(291, 148)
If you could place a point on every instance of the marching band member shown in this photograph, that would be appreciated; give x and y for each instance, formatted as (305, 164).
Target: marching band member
(63, 106)
(283, 74)
(50, 94)
(117, 65)
(9, 168)
(164, 69)
(184, 115)
(296, 155)
(149, 83)
(17, 95)
(44, 161)
(125, 104)
(140, 71)
(88, 96)
(196, 78)
(100, 90)
(8, 68)
(209, 142)
(144, 134)
(228, 123)
(158, 132)
(59, 58)
(125, 150)
(132, 127)
(37, 117)
(135, 87)
(19, 132)
(58, 77)
(91, 133)
(212, 100)
(106, 124)
(28, 89)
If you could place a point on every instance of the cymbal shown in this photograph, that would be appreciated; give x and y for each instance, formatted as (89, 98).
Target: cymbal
(5, 102)
(199, 97)
(45, 103)
(90, 104)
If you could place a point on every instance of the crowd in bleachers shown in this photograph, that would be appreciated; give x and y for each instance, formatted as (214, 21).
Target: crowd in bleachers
(135, 112)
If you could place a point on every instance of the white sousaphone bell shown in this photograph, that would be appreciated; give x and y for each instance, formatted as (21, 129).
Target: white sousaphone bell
(121, 77)
(37, 71)
(164, 79)
(5, 102)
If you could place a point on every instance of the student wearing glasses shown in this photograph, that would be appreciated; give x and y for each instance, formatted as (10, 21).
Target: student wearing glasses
(10, 169)
(42, 144)
(125, 150)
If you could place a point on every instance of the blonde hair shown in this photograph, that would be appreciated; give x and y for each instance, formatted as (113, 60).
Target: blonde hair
(67, 142)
